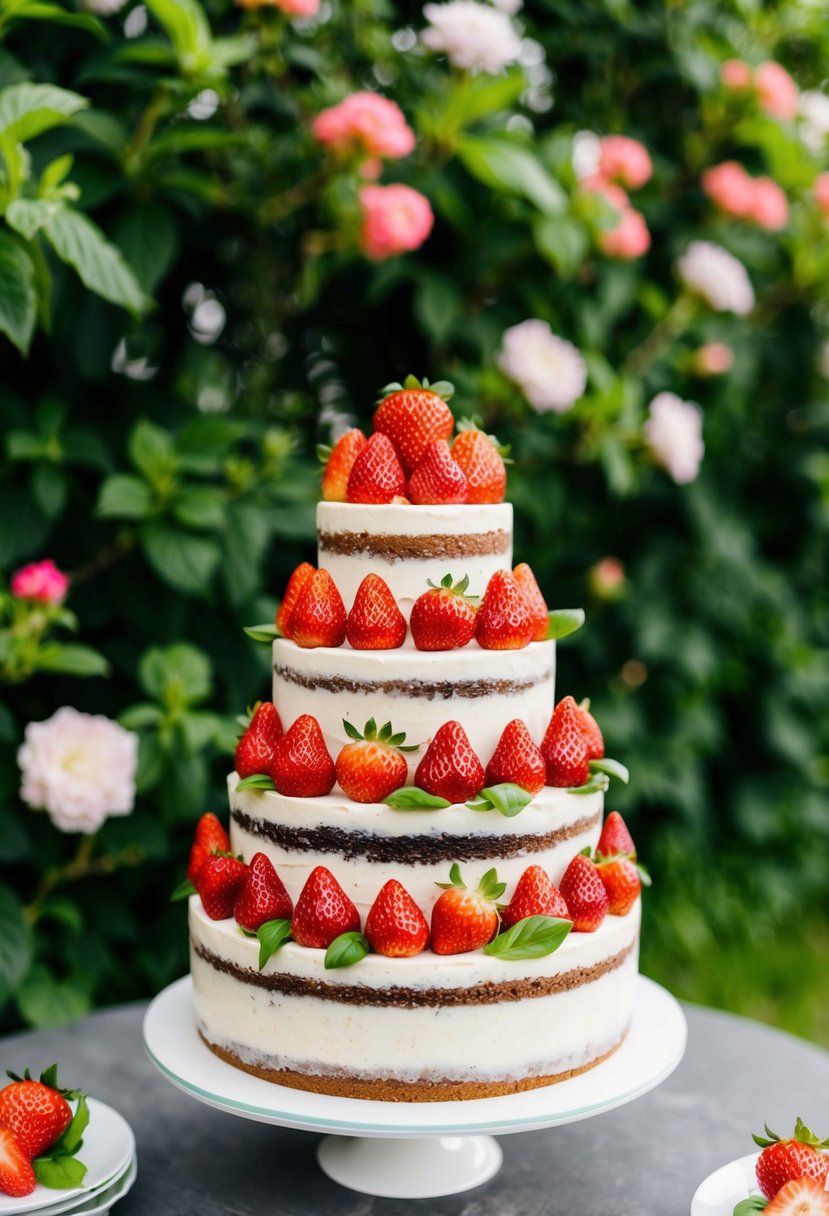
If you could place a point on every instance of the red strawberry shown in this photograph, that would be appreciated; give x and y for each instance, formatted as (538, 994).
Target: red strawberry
(464, 920)
(480, 460)
(373, 766)
(377, 474)
(340, 463)
(17, 1178)
(414, 415)
(254, 751)
(437, 478)
(504, 621)
(375, 622)
(302, 767)
(263, 897)
(616, 840)
(318, 618)
(443, 618)
(592, 734)
(622, 883)
(564, 748)
(219, 882)
(395, 926)
(584, 894)
(534, 600)
(782, 1161)
(516, 759)
(296, 585)
(449, 767)
(800, 1197)
(323, 911)
(534, 895)
(210, 838)
(35, 1111)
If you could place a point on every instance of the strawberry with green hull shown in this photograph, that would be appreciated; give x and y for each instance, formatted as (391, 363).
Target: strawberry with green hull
(302, 766)
(296, 585)
(481, 459)
(375, 622)
(449, 768)
(318, 617)
(219, 882)
(536, 604)
(373, 765)
(323, 911)
(564, 747)
(534, 895)
(40, 1135)
(616, 863)
(516, 760)
(263, 896)
(464, 919)
(802, 1155)
(504, 621)
(414, 414)
(443, 618)
(377, 475)
(210, 838)
(615, 839)
(36, 1111)
(255, 750)
(583, 892)
(339, 461)
(395, 925)
(437, 479)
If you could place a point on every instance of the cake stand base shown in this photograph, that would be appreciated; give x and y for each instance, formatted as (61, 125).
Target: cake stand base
(416, 1168)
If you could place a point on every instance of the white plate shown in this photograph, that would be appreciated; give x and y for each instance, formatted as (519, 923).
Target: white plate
(108, 1146)
(105, 1200)
(67, 1207)
(720, 1191)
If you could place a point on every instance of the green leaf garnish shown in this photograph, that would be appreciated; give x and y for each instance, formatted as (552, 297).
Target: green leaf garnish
(507, 798)
(59, 1173)
(532, 937)
(72, 1138)
(262, 633)
(597, 784)
(490, 886)
(564, 621)
(410, 798)
(346, 950)
(748, 1207)
(257, 781)
(611, 768)
(183, 891)
(272, 935)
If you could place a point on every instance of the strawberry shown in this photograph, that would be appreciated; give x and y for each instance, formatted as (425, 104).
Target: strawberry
(318, 617)
(377, 474)
(262, 897)
(480, 459)
(17, 1178)
(35, 1111)
(504, 621)
(516, 759)
(219, 882)
(622, 883)
(800, 1197)
(449, 767)
(414, 414)
(534, 600)
(373, 766)
(437, 478)
(464, 920)
(339, 464)
(616, 840)
(534, 895)
(395, 926)
(443, 618)
(592, 734)
(584, 894)
(254, 751)
(323, 911)
(782, 1161)
(296, 584)
(375, 622)
(302, 767)
(210, 838)
(564, 748)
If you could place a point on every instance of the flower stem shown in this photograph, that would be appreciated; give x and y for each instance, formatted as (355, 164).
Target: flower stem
(83, 865)
(676, 319)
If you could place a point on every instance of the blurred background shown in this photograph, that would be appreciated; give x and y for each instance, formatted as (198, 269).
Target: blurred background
(201, 279)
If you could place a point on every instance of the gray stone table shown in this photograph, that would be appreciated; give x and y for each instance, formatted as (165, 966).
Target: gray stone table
(645, 1159)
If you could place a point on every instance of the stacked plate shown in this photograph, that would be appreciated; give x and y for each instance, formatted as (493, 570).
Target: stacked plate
(108, 1152)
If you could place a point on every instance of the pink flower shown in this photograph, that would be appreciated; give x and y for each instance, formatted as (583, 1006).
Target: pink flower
(596, 183)
(624, 160)
(673, 433)
(769, 206)
(821, 192)
(365, 122)
(629, 239)
(730, 187)
(41, 581)
(296, 8)
(735, 75)
(606, 579)
(713, 359)
(396, 219)
(776, 91)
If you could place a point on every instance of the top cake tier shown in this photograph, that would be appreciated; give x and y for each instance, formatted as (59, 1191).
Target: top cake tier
(408, 545)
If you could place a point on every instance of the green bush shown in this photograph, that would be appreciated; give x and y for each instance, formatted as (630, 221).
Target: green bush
(185, 311)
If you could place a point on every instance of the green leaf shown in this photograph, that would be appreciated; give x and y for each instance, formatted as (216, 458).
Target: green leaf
(71, 1140)
(507, 798)
(533, 937)
(564, 242)
(38, 10)
(597, 784)
(28, 109)
(183, 891)
(200, 507)
(18, 300)
(611, 768)
(139, 716)
(564, 621)
(186, 562)
(410, 798)
(46, 1002)
(99, 264)
(262, 633)
(272, 935)
(256, 781)
(351, 730)
(438, 306)
(752, 1205)
(15, 943)
(71, 659)
(59, 1173)
(151, 450)
(123, 496)
(50, 487)
(147, 236)
(345, 951)
(177, 675)
(512, 168)
(490, 886)
(28, 215)
(187, 27)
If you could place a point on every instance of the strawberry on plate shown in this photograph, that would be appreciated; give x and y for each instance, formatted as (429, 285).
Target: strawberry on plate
(800, 1197)
(210, 838)
(323, 911)
(592, 733)
(296, 585)
(437, 477)
(414, 414)
(534, 895)
(17, 1177)
(534, 600)
(449, 767)
(481, 458)
(443, 618)
(616, 840)
(262, 897)
(219, 882)
(504, 621)
(37, 1112)
(255, 749)
(375, 622)
(584, 893)
(318, 617)
(373, 766)
(517, 760)
(377, 474)
(302, 766)
(800, 1156)
(464, 919)
(395, 925)
(339, 463)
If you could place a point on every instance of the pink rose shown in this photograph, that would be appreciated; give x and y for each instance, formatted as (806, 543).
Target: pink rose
(396, 219)
(41, 581)
(730, 187)
(769, 206)
(629, 239)
(776, 91)
(296, 8)
(624, 160)
(735, 75)
(365, 122)
(820, 190)
(713, 359)
(596, 183)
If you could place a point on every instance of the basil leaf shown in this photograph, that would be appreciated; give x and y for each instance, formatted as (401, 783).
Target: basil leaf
(257, 781)
(346, 950)
(597, 784)
(410, 798)
(262, 633)
(507, 798)
(71, 1139)
(611, 768)
(272, 935)
(532, 937)
(748, 1207)
(564, 621)
(183, 891)
(59, 1173)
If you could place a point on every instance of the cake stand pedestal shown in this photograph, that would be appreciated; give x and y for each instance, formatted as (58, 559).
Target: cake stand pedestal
(415, 1150)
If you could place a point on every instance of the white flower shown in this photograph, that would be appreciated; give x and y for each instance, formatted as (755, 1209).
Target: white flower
(674, 435)
(814, 115)
(474, 36)
(718, 277)
(585, 153)
(80, 768)
(549, 370)
(103, 8)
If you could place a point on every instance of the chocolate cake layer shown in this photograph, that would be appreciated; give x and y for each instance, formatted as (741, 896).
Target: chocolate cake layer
(426, 689)
(414, 548)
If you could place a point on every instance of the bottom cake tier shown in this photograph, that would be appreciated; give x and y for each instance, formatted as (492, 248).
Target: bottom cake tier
(425, 1029)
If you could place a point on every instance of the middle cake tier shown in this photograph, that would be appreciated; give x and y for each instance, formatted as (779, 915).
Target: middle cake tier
(417, 691)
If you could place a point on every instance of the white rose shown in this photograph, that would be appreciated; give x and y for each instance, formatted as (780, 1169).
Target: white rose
(717, 276)
(549, 370)
(473, 36)
(814, 120)
(674, 435)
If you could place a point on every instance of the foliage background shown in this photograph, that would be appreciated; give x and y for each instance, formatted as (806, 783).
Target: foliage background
(164, 455)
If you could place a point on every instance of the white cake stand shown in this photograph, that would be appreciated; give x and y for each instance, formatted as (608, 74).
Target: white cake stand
(415, 1150)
